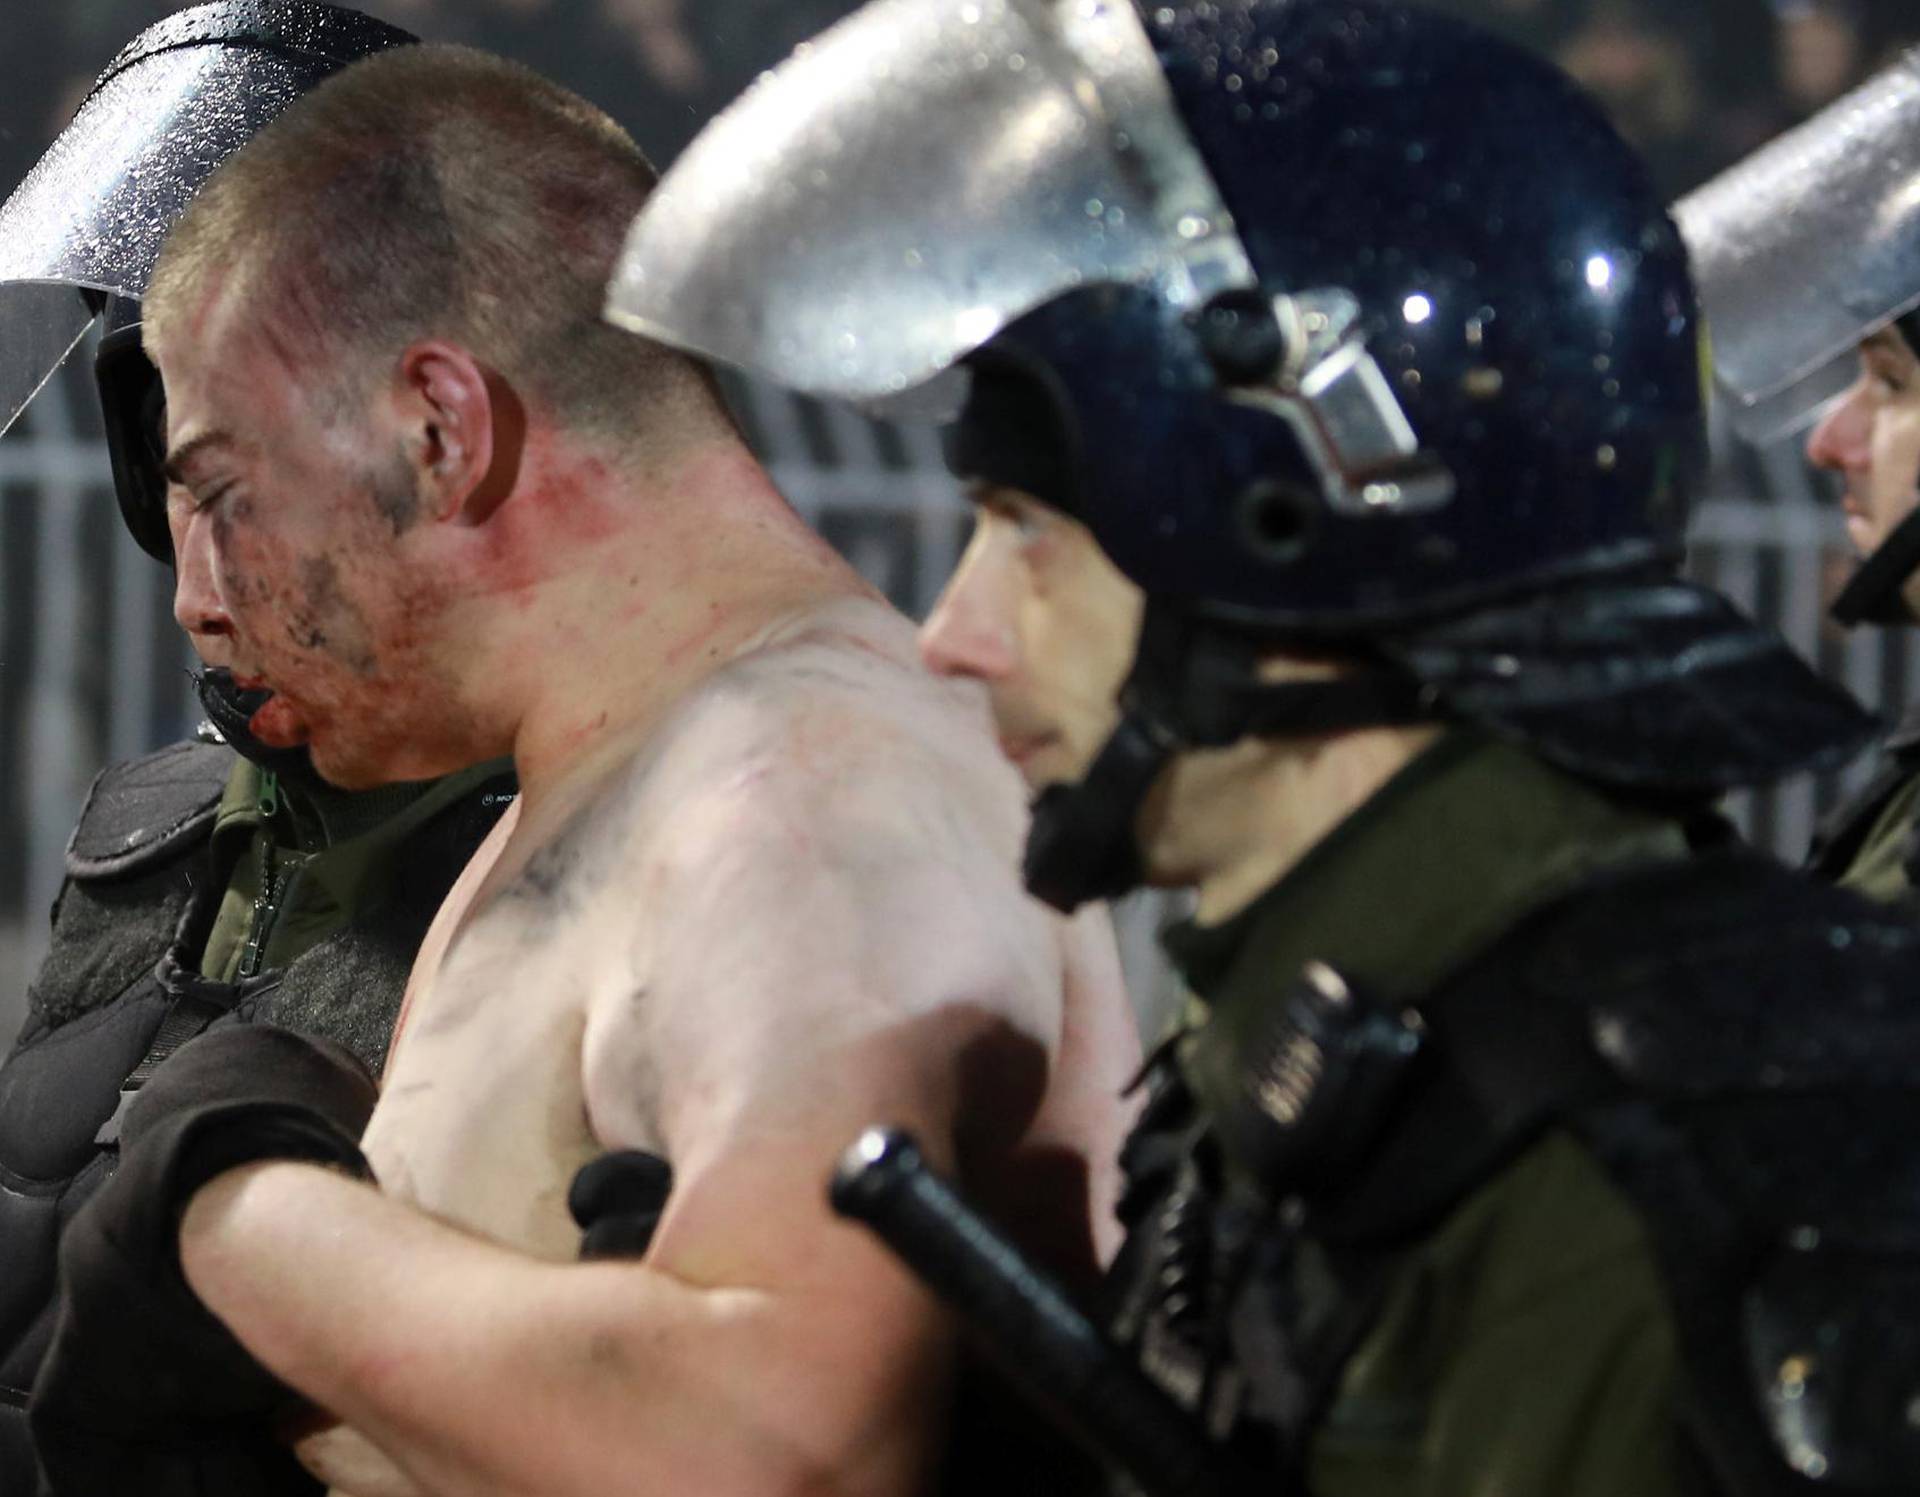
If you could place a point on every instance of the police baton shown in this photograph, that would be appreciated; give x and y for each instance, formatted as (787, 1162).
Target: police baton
(1042, 1341)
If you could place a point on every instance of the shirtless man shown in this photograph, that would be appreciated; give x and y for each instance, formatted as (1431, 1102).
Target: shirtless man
(759, 889)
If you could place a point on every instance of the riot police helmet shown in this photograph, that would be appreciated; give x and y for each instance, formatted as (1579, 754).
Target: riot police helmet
(1342, 326)
(1806, 249)
(133, 411)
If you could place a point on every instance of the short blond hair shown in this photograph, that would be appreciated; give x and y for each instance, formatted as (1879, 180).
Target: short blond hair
(437, 191)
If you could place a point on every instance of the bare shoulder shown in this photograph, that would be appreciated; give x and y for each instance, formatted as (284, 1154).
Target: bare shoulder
(833, 732)
(825, 842)
(845, 689)
(828, 745)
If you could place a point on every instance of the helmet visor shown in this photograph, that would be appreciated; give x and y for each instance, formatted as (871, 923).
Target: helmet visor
(94, 212)
(922, 174)
(39, 327)
(1806, 247)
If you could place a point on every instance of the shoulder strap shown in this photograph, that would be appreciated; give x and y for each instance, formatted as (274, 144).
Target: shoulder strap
(1502, 1055)
(1503, 1071)
(1723, 976)
(194, 1002)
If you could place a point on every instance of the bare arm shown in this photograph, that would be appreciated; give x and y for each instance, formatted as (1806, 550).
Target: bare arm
(825, 956)
(482, 1371)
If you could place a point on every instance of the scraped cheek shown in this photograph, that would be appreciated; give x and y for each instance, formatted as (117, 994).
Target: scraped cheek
(294, 608)
(324, 620)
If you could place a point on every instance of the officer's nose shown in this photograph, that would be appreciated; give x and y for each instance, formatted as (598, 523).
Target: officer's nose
(1843, 441)
(971, 629)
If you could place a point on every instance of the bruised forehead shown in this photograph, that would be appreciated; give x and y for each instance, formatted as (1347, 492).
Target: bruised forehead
(233, 384)
(198, 317)
(226, 358)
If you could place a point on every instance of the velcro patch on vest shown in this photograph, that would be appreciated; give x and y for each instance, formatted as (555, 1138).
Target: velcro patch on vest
(143, 812)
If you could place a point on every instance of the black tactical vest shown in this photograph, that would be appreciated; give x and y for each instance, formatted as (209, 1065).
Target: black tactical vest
(1740, 1051)
(120, 988)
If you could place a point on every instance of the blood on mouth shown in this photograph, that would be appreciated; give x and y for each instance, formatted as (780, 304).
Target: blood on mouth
(276, 724)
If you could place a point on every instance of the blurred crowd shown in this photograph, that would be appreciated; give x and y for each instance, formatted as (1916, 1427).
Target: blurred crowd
(659, 66)
(1698, 84)
(1695, 83)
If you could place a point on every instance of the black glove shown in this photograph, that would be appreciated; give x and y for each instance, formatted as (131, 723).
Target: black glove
(143, 1389)
(617, 1201)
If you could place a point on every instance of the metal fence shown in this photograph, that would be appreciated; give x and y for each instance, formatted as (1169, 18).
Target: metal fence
(93, 670)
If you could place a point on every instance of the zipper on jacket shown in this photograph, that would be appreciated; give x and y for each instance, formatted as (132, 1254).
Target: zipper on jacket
(266, 909)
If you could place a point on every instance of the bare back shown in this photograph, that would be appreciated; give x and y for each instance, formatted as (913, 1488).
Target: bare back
(794, 911)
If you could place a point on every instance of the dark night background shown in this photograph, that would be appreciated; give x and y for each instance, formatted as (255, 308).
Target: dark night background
(1696, 83)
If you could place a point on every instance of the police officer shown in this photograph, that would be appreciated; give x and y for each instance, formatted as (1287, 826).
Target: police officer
(216, 880)
(1808, 257)
(1334, 394)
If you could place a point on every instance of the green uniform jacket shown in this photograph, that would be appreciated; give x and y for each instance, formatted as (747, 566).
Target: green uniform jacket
(298, 908)
(300, 863)
(1869, 845)
(1524, 1346)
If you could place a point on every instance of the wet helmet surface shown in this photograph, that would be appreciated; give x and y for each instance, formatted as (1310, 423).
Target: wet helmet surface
(1518, 285)
(81, 234)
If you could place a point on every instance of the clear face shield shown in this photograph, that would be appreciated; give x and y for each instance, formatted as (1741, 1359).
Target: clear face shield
(1806, 247)
(92, 215)
(912, 181)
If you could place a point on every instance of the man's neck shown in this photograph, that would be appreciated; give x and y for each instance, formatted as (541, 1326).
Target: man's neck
(663, 583)
(1234, 821)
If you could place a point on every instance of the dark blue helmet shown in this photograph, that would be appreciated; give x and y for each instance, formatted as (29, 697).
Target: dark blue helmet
(1510, 272)
(1341, 324)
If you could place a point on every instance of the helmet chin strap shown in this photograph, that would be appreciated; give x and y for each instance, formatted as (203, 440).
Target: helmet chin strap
(1081, 844)
(1193, 685)
(1873, 595)
(230, 709)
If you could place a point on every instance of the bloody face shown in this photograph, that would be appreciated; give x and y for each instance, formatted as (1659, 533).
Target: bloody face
(299, 565)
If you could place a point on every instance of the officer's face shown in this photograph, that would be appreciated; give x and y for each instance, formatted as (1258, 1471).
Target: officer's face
(1038, 613)
(1872, 439)
(291, 548)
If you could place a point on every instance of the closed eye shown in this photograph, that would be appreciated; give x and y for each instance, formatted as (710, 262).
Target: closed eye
(206, 497)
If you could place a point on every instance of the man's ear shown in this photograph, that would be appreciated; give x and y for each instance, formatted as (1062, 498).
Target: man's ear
(464, 429)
